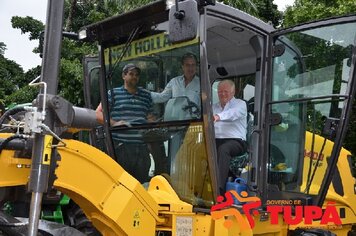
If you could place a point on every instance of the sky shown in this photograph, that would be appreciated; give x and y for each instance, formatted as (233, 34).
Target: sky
(282, 4)
(18, 46)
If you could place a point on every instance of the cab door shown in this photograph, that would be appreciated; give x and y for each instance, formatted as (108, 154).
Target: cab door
(309, 88)
(91, 71)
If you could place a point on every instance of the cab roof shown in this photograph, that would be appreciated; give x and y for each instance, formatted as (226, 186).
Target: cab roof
(117, 26)
(109, 30)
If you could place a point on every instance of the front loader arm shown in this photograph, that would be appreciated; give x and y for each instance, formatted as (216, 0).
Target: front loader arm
(115, 202)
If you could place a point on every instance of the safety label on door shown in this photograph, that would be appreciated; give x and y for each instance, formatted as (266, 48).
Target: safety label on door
(184, 226)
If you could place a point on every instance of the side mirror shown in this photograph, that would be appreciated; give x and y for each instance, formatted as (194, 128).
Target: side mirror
(183, 21)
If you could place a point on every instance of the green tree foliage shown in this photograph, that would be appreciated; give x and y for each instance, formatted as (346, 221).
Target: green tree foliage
(267, 11)
(28, 25)
(11, 75)
(25, 93)
(14, 87)
(13, 82)
(263, 9)
(309, 10)
(18, 90)
(71, 70)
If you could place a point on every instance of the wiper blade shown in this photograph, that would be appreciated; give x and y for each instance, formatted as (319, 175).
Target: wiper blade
(124, 51)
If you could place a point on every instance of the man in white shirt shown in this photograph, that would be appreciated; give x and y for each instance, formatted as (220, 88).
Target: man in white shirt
(230, 122)
(187, 84)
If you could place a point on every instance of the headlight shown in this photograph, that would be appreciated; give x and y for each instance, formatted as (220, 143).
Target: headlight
(170, 3)
(82, 34)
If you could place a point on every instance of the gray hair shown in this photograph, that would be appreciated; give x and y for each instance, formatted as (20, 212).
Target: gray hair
(229, 82)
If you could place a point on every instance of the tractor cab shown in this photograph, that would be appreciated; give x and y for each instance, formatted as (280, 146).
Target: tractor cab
(297, 85)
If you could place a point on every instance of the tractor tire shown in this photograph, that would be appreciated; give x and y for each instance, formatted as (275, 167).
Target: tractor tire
(75, 217)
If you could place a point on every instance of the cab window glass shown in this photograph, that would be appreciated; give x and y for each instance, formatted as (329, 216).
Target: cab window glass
(170, 142)
(169, 73)
(308, 89)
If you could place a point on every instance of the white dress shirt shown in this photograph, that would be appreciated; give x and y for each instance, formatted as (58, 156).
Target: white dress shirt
(176, 88)
(233, 119)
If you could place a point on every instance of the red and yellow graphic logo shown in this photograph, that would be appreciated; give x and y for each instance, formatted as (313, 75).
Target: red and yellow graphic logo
(292, 214)
(225, 209)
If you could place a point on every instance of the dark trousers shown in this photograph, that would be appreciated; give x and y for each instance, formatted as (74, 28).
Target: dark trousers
(135, 159)
(226, 149)
(158, 152)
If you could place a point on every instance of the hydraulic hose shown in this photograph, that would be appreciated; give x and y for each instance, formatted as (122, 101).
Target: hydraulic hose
(4, 143)
(11, 112)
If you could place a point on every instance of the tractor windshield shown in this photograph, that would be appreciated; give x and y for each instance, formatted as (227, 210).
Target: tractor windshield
(163, 117)
(309, 88)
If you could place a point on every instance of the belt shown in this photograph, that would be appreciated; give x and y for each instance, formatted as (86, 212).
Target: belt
(236, 139)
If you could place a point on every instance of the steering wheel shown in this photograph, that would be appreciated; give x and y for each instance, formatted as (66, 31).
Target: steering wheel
(192, 108)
